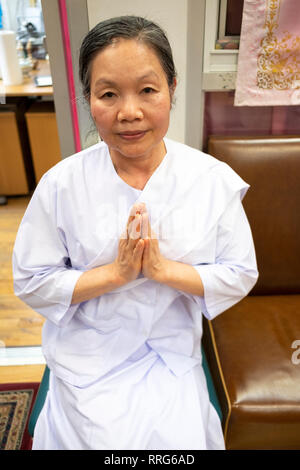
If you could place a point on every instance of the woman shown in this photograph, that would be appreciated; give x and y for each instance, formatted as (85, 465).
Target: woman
(122, 248)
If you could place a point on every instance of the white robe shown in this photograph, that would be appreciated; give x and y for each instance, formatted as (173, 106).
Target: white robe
(126, 367)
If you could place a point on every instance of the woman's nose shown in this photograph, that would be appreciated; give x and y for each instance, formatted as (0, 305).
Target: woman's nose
(130, 110)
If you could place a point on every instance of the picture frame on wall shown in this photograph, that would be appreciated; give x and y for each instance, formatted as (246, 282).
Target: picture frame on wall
(230, 22)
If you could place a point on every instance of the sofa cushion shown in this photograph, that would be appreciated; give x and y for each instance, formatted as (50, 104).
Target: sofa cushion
(256, 371)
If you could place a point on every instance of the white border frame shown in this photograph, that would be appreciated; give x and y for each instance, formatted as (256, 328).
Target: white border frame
(222, 22)
(219, 65)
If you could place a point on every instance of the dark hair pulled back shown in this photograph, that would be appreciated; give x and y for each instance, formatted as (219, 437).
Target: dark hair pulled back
(126, 27)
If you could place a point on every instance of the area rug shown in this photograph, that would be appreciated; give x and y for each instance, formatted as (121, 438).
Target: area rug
(16, 402)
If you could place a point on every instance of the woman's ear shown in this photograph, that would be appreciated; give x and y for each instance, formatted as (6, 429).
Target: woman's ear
(172, 89)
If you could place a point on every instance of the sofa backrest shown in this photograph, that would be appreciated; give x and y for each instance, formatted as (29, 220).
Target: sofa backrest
(271, 165)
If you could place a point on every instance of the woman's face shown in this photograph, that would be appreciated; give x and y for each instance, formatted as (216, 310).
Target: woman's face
(130, 99)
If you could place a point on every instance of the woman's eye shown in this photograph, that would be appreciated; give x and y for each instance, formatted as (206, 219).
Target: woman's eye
(148, 90)
(108, 94)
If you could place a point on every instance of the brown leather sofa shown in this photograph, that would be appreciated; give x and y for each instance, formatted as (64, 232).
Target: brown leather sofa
(251, 347)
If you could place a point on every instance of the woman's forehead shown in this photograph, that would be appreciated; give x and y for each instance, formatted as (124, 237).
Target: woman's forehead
(126, 56)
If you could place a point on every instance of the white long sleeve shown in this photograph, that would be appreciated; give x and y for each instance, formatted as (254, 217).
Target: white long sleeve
(234, 272)
(43, 278)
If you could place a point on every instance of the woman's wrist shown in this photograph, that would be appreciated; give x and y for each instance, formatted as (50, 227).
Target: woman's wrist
(96, 282)
(117, 279)
(180, 276)
(163, 273)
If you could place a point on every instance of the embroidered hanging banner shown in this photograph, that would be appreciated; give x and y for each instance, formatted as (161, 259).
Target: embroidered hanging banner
(269, 55)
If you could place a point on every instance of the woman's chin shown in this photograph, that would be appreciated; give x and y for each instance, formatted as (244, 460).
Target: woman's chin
(135, 150)
(131, 151)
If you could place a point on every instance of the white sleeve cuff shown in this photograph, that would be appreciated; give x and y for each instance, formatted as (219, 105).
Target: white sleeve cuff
(224, 286)
(53, 298)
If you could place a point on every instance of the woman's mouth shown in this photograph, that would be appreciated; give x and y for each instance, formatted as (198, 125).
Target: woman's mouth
(132, 135)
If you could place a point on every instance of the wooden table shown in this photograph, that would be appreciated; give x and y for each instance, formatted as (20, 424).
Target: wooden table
(24, 131)
(28, 87)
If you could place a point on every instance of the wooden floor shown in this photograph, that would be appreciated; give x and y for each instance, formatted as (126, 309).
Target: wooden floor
(19, 324)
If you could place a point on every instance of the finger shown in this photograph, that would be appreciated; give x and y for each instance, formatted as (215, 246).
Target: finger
(133, 212)
(143, 208)
(147, 231)
(134, 228)
(145, 226)
(124, 235)
(153, 235)
(137, 208)
(129, 225)
(138, 250)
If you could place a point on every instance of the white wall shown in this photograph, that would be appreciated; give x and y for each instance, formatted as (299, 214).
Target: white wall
(171, 15)
(9, 9)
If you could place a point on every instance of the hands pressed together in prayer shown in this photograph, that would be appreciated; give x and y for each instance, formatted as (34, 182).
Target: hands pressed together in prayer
(139, 248)
(138, 252)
